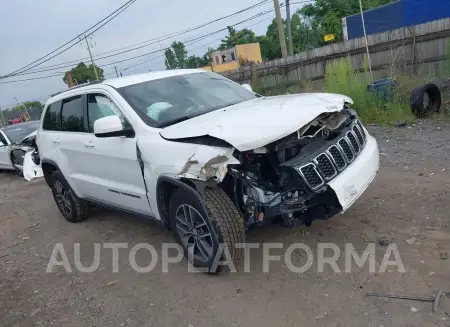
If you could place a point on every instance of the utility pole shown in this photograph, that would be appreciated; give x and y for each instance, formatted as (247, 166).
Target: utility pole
(289, 29)
(89, 46)
(280, 29)
(115, 68)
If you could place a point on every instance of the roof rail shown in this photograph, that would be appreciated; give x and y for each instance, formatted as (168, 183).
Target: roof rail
(78, 86)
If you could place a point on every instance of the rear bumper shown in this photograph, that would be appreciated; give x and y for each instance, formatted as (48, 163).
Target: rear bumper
(352, 182)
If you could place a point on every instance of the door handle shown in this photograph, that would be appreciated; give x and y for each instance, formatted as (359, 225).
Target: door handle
(56, 141)
(89, 145)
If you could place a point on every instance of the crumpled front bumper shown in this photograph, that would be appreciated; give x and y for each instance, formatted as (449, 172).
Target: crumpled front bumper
(354, 180)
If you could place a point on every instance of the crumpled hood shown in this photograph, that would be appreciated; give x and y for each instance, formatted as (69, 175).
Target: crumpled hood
(256, 123)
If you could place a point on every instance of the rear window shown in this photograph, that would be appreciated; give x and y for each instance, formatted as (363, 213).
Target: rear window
(52, 118)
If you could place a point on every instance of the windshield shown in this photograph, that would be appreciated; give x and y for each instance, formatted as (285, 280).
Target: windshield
(17, 132)
(166, 101)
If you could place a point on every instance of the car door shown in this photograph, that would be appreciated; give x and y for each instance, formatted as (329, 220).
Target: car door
(107, 169)
(5, 162)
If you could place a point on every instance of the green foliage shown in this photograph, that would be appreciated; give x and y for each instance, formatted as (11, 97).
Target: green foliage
(177, 57)
(325, 15)
(342, 79)
(33, 104)
(83, 74)
(234, 37)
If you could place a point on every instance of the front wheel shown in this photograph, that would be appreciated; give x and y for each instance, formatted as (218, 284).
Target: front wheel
(202, 234)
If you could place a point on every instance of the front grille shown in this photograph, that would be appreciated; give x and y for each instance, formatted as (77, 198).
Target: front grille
(358, 123)
(358, 135)
(311, 176)
(346, 148)
(353, 141)
(326, 165)
(337, 156)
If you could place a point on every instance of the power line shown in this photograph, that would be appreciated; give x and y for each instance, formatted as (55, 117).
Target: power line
(88, 32)
(190, 41)
(139, 56)
(139, 45)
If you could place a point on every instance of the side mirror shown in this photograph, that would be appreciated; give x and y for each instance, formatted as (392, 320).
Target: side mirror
(247, 87)
(111, 126)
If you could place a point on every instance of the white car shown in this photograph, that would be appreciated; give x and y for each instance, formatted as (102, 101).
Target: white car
(15, 141)
(203, 155)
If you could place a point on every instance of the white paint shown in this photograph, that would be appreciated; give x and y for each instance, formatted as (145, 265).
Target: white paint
(353, 181)
(107, 125)
(256, 123)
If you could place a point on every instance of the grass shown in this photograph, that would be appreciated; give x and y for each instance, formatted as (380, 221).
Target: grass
(341, 78)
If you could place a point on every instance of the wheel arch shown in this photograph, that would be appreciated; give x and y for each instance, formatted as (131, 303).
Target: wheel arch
(48, 167)
(166, 186)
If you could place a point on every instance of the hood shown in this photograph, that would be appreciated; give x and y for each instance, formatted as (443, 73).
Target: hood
(29, 135)
(256, 123)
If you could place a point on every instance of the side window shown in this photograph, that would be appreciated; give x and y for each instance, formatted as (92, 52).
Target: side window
(52, 118)
(72, 115)
(100, 106)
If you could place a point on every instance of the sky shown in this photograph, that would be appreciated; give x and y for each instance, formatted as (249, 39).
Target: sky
(30, 29)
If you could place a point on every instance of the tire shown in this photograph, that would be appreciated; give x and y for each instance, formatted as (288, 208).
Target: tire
(15, 161)
(418, 108)
(65, 196)
(222, 220)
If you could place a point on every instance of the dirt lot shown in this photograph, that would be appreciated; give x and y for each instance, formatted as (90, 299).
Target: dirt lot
(408, 201)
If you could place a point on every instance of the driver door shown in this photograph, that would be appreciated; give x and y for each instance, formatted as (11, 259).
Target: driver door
(107, 168)
(5, 162)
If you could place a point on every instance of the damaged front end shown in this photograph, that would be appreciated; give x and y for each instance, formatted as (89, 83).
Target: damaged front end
(285, 181)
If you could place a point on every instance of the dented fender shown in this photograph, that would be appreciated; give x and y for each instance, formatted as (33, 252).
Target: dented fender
(208, 162)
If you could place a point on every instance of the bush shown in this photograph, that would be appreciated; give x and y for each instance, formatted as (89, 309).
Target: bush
(341, 78)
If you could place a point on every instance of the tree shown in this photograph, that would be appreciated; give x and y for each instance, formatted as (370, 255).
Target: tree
(33, 104)
(177, 57)
(326, 15)
(83, 74)
(234, 37)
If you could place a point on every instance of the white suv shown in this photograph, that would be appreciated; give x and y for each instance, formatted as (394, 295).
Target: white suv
(203, 155)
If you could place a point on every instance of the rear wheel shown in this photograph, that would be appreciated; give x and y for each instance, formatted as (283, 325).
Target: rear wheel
(68, 203)
(201, 233)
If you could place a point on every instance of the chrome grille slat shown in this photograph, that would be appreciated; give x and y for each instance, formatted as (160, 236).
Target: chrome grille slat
(325, 166)
(358, 134)
(328, 164)
(337, 157)
(353, 141)
(311, 175)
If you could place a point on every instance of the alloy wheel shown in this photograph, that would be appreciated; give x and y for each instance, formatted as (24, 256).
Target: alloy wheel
(194, 233)
(62, 197)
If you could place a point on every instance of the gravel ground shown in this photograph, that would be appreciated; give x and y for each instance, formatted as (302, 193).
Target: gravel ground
(407, 204)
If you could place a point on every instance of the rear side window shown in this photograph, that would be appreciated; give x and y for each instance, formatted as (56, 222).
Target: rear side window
(52, 118)
(72, 115)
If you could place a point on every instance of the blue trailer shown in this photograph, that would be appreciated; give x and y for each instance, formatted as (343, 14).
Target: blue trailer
(395, 15)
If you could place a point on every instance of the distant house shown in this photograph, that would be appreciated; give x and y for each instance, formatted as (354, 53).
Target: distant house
(232, 58)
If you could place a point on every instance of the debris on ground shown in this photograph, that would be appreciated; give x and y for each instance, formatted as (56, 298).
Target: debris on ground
(112, 282)
(401, 123)
(384, 240)
(443, 255)
(411, 241)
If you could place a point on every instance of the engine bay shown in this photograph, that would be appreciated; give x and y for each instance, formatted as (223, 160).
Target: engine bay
(270, 183)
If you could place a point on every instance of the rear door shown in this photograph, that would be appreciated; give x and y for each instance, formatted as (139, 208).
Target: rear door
(5, 162)
(107, 169)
